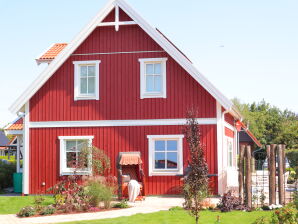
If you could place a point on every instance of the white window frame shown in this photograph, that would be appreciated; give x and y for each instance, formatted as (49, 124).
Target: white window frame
(70, 171)
(77, 82)
(230, 140)
(143, 62)
(151, 160)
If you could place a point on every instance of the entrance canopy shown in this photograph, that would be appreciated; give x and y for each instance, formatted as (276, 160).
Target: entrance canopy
(246, 135)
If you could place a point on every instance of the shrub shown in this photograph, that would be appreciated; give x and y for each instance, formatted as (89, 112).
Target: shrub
(295, 199)
(6, 173)
(285, 215)
(69, 195)
(292, 156)
(176, 208)
(230, 202)
(27, 211)
(121, 204)
(100, 189)
(48, 210)
(265, 207)
(261, 220)
(38, 199)
(94, 190)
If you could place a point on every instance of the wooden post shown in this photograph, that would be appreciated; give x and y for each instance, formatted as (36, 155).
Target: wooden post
(268, 155)
(281, 190)
(284, 157)
(272, 174)
(248, 176)
(241, 171)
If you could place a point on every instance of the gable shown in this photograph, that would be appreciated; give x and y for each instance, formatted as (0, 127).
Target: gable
(119, 83)
(153, 33)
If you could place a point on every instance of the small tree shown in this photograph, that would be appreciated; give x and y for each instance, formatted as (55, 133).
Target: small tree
(195, 188)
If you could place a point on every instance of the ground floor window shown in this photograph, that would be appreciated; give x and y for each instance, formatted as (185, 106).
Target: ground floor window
(165, 155)
(70, 148)
(230, 146)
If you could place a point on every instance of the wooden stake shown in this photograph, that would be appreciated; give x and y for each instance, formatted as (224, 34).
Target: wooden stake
(272, 174)
(248, 176)
(281, 190)
(284, 157)
(241, 171)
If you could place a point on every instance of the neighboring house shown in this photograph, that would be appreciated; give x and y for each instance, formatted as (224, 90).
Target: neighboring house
(123, 86)
(4, 141)
(15, 128)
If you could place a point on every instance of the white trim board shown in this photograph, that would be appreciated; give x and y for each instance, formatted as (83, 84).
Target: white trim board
(152, 32)
(117, 123)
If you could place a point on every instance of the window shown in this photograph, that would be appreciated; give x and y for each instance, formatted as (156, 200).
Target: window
(165, 155)
(70, 148)
(86, 80)
(153, 77)
(230, 151)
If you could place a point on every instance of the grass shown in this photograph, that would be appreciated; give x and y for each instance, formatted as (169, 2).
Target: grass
(182, 217)
(13, 204)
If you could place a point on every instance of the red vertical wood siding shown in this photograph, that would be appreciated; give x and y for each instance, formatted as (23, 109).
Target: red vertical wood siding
(45, 153)
(119, 83)
(229, 119)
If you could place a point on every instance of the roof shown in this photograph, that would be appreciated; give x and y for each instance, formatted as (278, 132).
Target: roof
(242, 126)
(3, 139)
(51, 53)
(18, 105)
(16, 125)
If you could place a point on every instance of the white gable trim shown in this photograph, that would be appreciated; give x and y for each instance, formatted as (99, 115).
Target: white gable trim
(153, 33)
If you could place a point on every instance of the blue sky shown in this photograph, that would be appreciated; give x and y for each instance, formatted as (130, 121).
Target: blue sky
(248, 49)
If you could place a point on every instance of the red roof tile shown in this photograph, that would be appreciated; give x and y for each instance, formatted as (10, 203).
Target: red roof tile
(52, 52)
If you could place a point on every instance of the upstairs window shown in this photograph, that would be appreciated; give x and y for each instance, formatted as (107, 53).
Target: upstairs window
(165, 155)
(153, 77)
(86, 80)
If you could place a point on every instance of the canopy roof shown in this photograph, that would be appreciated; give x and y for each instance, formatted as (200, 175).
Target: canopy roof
(130, 158)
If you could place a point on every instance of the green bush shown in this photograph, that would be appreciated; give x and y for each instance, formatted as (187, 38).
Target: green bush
(6, 174)
(48, 210)
(285, 215)
(176, 208)
(292, 156)
(295, 201)
(121, 204)
(38, 200)
(261, 220)
(99, 192)
(27, 211)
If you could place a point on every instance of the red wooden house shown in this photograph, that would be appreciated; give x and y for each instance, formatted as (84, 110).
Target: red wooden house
(124, 87)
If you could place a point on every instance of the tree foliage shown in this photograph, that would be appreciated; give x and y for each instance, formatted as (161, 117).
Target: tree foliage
(195, 187)
(270, 124)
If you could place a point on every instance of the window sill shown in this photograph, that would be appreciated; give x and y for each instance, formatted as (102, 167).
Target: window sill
(145, 96)
(86, 98)
(166, 173)
(67, 173)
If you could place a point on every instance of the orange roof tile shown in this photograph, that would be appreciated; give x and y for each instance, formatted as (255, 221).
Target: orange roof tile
(52, 52)
(16, 125)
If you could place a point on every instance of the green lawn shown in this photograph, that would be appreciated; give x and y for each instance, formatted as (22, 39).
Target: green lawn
(181, 217)
(13, 204)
